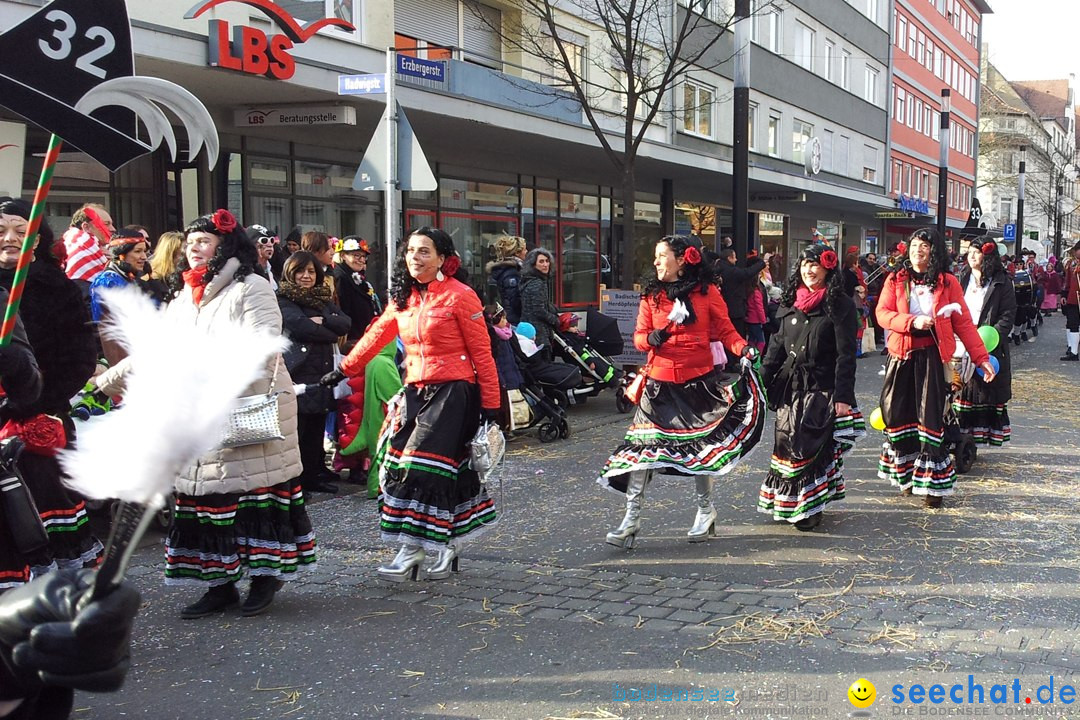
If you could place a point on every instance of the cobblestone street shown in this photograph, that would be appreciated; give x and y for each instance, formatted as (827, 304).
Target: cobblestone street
(547, 621)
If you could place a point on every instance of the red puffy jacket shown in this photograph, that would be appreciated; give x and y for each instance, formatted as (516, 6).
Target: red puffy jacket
(445, 339)
(893, 313)
(686, 354)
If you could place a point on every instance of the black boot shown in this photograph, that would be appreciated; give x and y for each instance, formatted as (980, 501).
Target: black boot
(809, 523)
(261, 595)
(1069, 356)
(216, 599)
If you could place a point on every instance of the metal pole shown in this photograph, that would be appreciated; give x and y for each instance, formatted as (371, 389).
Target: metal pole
(1020, 194)
(740, 171)
(390, 217)
(1057, 217)
(943, 163)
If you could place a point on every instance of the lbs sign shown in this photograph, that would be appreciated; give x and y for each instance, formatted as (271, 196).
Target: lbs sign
(250, 50)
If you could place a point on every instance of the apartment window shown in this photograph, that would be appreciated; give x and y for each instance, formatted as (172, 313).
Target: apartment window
(897, 173)
(827, 143)
(929, 57)
(1005, 213)
(901, 99)
(804, 46)
(752, 122)
(577, 51)
(845, 70)
(872, 10)
(801, 132)
(912, 39)
(842, 165)
(916, 183)
(830, 54)
(901, 30)
(870, 87)
(939, 60)
(936, 127)
(773, 27)
(918, 116)
(869, 163)
(774, 135)
(697, 108)
(928, 120)
(907, 179)
(925, 184)
(910, 118)
(920, 51)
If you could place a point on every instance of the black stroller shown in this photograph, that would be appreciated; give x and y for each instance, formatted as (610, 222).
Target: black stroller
(546, 391)
(591, 354)
(960, 443)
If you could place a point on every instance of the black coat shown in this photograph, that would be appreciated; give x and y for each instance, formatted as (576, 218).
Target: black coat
(824, 361)
(58, 328)
(505, 277)
(357, 298)
(736, 283)
(999, 310)
(312, 352)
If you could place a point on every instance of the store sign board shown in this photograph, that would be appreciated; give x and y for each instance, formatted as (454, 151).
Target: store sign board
(891, 215)
(291, 115)
(914, 205)
(250, 50)
(623, 306)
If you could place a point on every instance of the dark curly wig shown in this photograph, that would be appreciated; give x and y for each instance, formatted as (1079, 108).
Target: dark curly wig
(46, 239)
(834, 279)
(402, 282)
(695, 276)
(234, 244)
(939, 263)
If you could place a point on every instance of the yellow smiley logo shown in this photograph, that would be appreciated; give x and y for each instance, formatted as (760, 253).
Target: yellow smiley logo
(862, 693)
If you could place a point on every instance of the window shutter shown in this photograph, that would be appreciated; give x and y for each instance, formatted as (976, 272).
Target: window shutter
(435, 21)
(481, 38)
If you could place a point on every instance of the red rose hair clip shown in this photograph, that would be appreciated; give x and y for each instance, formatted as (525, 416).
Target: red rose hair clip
(988, 247)
(224, 221)
(901, 248)
(451, 265)
(692, 255)
(828, 259)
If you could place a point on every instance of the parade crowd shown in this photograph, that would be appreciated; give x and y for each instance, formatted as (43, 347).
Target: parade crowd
(396, 389)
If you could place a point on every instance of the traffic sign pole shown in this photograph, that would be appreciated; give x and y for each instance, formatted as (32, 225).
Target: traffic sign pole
(391, 201)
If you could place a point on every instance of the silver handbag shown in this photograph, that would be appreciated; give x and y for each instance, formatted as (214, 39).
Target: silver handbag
(486, 449)
(255, 418)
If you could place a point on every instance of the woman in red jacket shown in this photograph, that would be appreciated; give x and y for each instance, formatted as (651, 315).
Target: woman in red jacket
(923, 306)
(431, 499)
(692, 419)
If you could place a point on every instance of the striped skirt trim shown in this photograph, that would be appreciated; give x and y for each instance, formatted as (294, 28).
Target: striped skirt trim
(921, 472)
(988, 424)
(411, 522)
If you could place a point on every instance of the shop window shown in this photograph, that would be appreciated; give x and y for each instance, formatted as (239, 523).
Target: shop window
(269, 174)
(474, 237)
(319, 179)
(478, 196)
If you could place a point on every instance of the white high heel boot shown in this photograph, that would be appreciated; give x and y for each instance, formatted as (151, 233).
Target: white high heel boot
(705, 521)
(624, 535)
(407, 563)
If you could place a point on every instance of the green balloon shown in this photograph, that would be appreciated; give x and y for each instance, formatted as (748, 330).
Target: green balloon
(990, 337)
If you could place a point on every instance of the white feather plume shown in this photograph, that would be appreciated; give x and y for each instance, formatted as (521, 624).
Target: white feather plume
(183, 383)
(679, 312)
(949, 310)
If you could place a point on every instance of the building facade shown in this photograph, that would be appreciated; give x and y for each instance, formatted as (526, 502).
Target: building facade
(936, 45)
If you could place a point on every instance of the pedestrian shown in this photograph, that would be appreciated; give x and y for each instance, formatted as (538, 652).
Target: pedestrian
(357, 296)
(313, 323)
(48, 362)
(1070, 305)
(127, 253)
(318, 244)
(536, 293)
(809, 376)
(988, 292)
(756, 317)
(432, 500)
(1053, 287)
(504, 275)
(84, 244)
(691, 419)
(922, 306)
(265, 245)
(239, 506)
(735, 285)
(165, 281)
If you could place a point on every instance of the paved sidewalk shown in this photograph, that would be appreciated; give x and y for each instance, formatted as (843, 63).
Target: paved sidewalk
(546, 619)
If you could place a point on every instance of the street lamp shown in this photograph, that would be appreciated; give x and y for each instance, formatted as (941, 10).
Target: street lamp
(1020, 194)
(943, 162)
(740, 171)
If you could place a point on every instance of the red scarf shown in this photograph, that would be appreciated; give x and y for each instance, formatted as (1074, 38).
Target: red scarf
(807, 299)
(196, 280)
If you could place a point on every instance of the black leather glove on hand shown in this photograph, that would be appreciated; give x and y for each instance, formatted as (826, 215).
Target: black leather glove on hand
(490, 415)
(46, 639)
(332, 378)
(658, 337)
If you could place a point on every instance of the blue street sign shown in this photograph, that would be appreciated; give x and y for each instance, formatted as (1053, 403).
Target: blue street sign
(421, 68)
(361, 84)
(1009, 232)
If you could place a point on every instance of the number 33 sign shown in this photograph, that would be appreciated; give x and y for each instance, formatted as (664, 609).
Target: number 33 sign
(69, 68)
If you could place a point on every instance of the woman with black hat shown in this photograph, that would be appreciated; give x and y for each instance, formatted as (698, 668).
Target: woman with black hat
(988, 292)
(809, 373)
(922, 306)
(128, 253)
(356, 295)
(692, 419)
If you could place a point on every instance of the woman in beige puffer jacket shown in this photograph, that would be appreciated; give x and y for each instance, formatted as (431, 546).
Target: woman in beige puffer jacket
(242, 505)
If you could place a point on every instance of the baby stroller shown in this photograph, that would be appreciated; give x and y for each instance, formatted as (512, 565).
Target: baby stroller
(959, 443)
(546, 390)
(589, 352)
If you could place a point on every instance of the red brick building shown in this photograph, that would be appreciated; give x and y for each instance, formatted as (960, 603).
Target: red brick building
(936, 44)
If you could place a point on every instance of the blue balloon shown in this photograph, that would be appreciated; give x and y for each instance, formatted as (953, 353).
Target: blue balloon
(994, 363)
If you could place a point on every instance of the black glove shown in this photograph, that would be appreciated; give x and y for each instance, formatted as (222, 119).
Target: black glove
(332, 378)
(490, 415)
(101, 398)
(658, 337)
(46, 639)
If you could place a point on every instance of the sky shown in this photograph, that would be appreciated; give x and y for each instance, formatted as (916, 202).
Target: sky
(1033, 39)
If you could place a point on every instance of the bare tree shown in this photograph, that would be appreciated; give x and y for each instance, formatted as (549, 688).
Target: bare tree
(646, 48)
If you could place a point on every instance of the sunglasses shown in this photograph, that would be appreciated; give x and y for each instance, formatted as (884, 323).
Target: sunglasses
(266, 241)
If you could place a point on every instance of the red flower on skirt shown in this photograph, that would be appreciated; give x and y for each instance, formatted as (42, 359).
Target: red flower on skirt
(41, 434)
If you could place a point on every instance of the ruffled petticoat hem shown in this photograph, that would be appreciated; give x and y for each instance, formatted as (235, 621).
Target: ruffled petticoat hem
(921, 472)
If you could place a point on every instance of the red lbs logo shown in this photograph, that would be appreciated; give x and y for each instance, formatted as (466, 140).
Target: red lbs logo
(250, 50)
